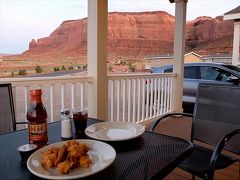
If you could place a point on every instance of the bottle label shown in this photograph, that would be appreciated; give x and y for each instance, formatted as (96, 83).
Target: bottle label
(37, 132)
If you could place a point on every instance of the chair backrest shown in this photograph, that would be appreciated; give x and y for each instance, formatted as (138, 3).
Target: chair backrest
(217, 113)
(7, 114)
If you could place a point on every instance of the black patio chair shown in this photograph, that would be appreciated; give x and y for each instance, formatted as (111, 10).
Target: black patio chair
(7, 114)
(216, 122)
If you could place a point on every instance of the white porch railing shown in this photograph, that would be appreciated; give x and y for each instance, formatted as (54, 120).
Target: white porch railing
(132, 97)
(58, 93)
(139, 97)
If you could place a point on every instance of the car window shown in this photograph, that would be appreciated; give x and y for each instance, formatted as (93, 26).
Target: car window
(190, 72)
(213, 73)
(169, 70)
(156, 70)
(234, 68)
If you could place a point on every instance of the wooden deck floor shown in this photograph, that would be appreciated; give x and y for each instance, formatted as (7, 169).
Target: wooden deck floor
(180, 127)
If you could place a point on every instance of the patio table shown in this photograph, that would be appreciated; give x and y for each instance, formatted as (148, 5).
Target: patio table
(149, 156)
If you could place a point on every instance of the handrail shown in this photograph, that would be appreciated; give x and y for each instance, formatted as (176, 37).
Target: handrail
(45, 80)
(142, 75)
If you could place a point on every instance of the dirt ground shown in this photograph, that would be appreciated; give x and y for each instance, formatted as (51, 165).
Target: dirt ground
(11, 67)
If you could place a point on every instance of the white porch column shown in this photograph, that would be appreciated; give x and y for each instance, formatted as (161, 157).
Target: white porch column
(97, 58)
(179, 51)
(236, 43)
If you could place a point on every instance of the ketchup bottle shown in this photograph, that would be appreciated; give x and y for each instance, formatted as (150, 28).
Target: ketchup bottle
(37, 120)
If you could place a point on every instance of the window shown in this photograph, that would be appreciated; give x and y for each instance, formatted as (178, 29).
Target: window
(190, 72)
(234, 68)
(169, 70)
(214, 73)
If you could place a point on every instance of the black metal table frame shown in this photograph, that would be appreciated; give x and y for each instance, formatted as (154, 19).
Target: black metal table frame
(150, 156)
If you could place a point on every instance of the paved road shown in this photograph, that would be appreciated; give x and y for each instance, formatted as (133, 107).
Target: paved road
(58, 73)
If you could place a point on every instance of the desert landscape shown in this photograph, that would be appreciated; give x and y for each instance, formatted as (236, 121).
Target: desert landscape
(131, 37)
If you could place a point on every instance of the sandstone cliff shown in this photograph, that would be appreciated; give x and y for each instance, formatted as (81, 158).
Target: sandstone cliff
(136, 35)
(209, 35)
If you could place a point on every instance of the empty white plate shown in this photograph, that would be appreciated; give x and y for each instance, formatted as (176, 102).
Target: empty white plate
(114, 131)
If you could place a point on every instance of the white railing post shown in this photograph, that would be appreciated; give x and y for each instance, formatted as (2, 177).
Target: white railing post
(26, 95)
(134, 101)
(14, 100)
(73, 95)
(147, 100)
(138, 99)
(63, 96)
(112, 98)
(124, 100)
(82, 93)
(129, 99)
(52, 103)
(143, 97)
(118, 85)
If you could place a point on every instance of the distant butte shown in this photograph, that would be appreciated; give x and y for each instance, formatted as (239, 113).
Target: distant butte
(136, 35)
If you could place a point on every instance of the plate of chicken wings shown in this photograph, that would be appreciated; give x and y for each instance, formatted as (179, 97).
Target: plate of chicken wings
(71, 159)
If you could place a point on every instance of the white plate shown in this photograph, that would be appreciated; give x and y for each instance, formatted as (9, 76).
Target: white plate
(114, 131)
(101, 154)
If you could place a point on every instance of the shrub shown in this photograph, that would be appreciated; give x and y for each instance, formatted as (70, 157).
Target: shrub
(12, 74)
(22, 72)
(63, 68)
(70, 68)
(131, 66)
(56, 69)
(38, 69)
(110, 68)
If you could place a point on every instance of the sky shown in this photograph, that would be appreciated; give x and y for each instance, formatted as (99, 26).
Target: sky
(24, 20)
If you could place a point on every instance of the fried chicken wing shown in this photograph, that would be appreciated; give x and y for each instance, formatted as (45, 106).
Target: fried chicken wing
(85, 161)
(68, 156)
(61, 155)
(64, 167)
(50, 157)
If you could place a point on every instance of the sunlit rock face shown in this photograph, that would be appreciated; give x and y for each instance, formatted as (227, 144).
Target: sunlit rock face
(136, 35)
(32, 44)
(212, 35)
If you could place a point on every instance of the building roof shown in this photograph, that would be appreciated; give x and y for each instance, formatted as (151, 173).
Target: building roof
(168, 56)
(233, 14)
(233, 11)
(193, 54)
(218, 56)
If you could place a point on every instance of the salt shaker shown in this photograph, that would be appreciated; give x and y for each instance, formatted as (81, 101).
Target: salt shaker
(66, 132)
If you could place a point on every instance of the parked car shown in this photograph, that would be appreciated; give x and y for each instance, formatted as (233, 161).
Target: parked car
(202, 72)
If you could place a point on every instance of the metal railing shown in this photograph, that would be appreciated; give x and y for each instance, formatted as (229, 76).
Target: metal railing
(139, 97)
